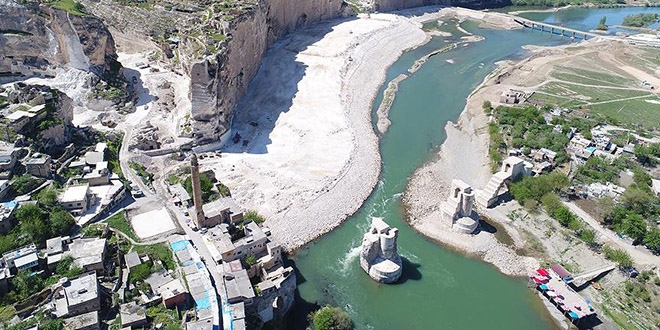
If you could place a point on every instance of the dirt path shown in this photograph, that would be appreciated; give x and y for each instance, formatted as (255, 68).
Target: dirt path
(640, 255)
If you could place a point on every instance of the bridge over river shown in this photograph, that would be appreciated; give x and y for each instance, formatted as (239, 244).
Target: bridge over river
(555, 29)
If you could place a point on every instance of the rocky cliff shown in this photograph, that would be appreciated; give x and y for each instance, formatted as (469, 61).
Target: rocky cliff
(35, 38)
(390, 5)
(218, 83)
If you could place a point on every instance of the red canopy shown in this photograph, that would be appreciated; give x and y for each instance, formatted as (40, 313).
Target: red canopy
(543, 272)
(537, 280)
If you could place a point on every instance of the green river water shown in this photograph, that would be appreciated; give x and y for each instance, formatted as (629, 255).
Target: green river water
(440, 289)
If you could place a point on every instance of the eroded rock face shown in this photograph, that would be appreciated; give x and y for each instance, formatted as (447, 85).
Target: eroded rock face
(35, 38)
(217, 84)
(389, 5)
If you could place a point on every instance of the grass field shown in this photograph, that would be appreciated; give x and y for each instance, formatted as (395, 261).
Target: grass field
(119, 222)
(610, 94)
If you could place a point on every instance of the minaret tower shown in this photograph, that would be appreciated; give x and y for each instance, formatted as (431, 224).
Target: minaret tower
(199, 218)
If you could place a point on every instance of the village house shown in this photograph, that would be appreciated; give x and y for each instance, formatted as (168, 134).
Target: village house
(22, 114)
(8, 157)
(181, 196)
(7, 219)
(222, 210)
(88, 253)
(253, 241)
(77, 296)
(579, 142)
(544, 154)
(55, 250)
(76, 199)
(237, 283)
(132, 315)
(511, 97)
(172, 291)
(39, 165)
(25, 257)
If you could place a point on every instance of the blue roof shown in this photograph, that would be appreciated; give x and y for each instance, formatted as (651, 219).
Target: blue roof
(179, 246)
(10, 205)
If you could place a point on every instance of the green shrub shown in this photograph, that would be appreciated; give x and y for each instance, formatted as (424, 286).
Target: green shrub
(252, 215)
(331, 318)
(622, 258)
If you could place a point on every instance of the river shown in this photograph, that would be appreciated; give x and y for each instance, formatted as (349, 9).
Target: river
(440, 289)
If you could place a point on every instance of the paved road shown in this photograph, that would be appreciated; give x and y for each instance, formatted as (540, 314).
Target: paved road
(640, 255)
(194, 236)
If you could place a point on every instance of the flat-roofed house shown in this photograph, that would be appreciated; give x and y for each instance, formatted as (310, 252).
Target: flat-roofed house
(76, 199)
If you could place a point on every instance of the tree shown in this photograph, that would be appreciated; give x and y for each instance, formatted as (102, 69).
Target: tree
(644, 155)
(605, 208)
(250, 260)
(601, 25)
(64, 265)
(331, 318)
(589, 237)
(33, 223)
(487, 106)
(61, 222)
(551, 203)
(24, 184)
(652, 239)
(637, 200)
(26, 284)
(47, 198)
(635, 227)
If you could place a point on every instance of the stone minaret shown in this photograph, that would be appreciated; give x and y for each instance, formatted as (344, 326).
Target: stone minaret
(199, 217)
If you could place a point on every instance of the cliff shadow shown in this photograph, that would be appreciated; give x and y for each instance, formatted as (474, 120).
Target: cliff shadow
(134, 79)
(272, 91)
(410, 271)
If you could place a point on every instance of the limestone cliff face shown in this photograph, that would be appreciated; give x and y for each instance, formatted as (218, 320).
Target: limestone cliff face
(217, 84)
(389, 5)
(36, 37)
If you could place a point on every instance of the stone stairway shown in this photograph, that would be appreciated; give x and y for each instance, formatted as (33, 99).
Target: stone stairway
(487, 196)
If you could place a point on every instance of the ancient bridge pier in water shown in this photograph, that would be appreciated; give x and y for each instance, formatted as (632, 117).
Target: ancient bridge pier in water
(555, 29)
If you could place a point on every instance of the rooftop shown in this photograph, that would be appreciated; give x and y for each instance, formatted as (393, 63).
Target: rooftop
(131, 313)
(178, 190)
(171, 289)
(54, 245)
(38, 159)
(100, 147)
(7, 208)
(219, 205)
(132, 259)
(93, 157)
(81, 289)
(82, 321)
(153, 223)
(23, 250)
(26, 259)
(237, 282)
(74, 194)
(87, 251)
